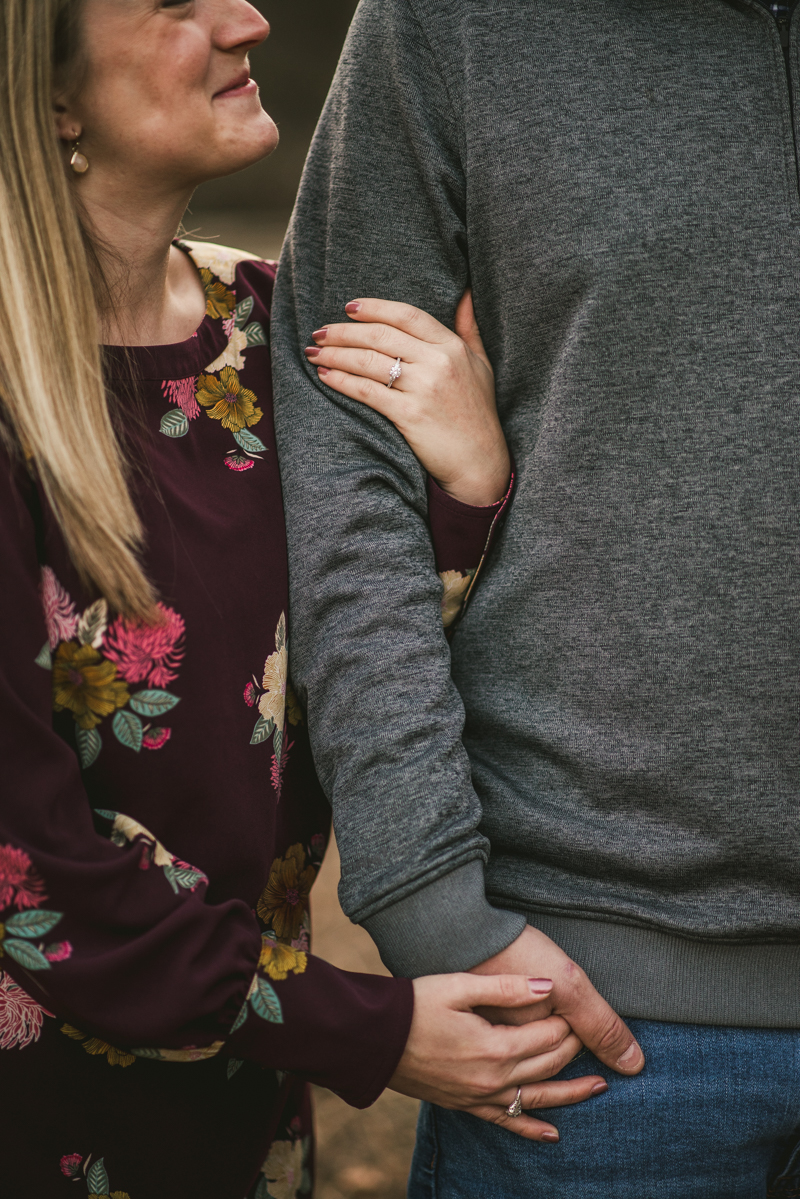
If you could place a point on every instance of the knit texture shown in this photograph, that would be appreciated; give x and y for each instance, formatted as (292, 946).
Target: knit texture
(617, 179)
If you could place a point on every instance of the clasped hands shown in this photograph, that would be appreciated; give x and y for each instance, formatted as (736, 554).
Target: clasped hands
(475, 1038)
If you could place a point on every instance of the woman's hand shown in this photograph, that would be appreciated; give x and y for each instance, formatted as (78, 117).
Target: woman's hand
(443, 402)
(458, 1060)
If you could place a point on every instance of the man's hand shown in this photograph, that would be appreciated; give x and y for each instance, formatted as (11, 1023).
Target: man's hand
(572, 996)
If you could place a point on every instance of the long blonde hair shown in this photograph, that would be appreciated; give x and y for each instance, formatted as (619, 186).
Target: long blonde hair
(52, 394)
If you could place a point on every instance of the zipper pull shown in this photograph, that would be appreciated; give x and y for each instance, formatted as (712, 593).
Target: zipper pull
(783, 29)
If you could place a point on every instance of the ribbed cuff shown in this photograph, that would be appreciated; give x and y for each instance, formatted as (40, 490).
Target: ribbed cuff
(447, 926)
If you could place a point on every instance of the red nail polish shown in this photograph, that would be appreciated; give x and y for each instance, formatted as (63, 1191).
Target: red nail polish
(322, 371)
(598, 1088)
(320, 334)
(540, 986)
(352, 307)
(550, 1136)
(313, 352)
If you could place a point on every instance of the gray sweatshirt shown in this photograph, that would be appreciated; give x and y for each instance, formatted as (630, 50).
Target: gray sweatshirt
(609, 747)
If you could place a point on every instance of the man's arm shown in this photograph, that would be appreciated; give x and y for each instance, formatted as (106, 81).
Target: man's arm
(380, 212)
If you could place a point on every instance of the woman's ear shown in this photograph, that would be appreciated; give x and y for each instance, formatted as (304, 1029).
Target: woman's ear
(68, 129)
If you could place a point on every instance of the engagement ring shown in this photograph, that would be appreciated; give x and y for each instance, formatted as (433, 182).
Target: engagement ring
(395, 373)
(515, 1109)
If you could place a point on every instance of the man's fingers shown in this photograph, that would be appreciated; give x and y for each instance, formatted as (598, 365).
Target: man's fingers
(600, 1028)
(401, 316)
(500, 990)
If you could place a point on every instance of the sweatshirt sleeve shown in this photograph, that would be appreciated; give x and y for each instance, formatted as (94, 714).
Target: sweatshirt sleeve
(381, 212)
(104, 927)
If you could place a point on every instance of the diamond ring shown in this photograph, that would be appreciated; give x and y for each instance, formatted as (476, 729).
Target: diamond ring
(515, 1109)
(395, 373)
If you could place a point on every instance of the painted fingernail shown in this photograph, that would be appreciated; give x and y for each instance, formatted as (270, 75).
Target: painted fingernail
(540, 986)
(352, 307)
(320, 334)
(313, 351)
(631, 1056)
(550, 1136)
(322, 371)
(598, 1088)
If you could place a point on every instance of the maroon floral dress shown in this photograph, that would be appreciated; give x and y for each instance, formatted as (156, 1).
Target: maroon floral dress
(161, 824)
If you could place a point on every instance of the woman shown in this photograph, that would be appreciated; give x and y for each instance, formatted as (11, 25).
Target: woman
(160, 824)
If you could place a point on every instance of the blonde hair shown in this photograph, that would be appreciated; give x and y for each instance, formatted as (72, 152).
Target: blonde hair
(52, 393)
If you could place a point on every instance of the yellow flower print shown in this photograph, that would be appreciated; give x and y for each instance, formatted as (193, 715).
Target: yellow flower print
(115, 1057)
(283, 1169)
(456, 587)
(86, 684)
(221, 261)
(278, 959)
(220, 301)
(285, 898)
(227, 401)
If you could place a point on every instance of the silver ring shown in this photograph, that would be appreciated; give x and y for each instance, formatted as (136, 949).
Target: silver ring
(395, 372)
(515, 1109)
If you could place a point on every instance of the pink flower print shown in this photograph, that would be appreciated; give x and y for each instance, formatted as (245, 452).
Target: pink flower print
(227, 326)
(250, 695)
(144, 652)
(59, 610)
(21, 1017)
(60, 952)
(239, 462)
(156, 738)
(19, 882)
(301, 941)
(71, 1164)
(182, 393)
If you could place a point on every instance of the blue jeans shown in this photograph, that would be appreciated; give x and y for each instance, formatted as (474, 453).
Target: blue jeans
(715, 1114)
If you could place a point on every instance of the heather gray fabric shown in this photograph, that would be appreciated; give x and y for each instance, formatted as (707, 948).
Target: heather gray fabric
(618, 180)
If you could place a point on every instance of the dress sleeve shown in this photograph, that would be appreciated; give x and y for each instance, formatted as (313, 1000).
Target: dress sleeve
(462, 537)
(102, 925)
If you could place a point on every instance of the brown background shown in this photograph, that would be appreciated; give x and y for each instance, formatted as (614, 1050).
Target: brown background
(361, 1155)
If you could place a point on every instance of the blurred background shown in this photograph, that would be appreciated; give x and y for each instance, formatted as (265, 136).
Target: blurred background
(361, 1155)
(293, 69)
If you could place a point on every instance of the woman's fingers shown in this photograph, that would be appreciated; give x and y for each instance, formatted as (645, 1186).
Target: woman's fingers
(366, 364)
(562, 1093)
(500, 990)
(405, 317)
(467, 327)
(545, 1063)
(382, 338)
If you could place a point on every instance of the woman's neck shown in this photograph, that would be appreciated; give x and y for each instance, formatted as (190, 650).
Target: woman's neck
(155, 295)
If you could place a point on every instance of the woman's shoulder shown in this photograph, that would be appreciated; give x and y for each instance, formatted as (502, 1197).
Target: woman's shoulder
(225, 262)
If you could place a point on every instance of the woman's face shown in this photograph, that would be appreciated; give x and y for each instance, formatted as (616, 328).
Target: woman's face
(166, 98)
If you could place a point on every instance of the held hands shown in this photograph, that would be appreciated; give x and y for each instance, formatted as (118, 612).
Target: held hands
(572, 997)
(457, 1059)
(443, 402)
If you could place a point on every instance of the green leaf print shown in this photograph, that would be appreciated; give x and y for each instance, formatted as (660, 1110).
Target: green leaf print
(169, 875)
(112, 816)
(255, 335)
(262, 1190)
(187, 878)
(243, 310)
(266, 1003)
(128, 729)
(44, 658)
(262, 730)
(280, 632)
(32, 924)
(248, 441)
(240, 1019)
(97, 1178)
(154, 1054)
(89, 745)
(153, 703)
(174, 423)
(233, 1065)
(26, 955)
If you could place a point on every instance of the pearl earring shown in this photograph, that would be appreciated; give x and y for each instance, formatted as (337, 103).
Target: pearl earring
(79, 162)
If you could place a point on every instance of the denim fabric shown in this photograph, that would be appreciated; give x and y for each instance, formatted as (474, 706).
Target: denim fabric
(714, 1115)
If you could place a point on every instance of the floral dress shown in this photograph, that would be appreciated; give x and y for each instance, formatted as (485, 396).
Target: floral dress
(161, 825)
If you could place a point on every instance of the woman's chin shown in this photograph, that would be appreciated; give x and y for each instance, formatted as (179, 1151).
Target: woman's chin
(243, 148)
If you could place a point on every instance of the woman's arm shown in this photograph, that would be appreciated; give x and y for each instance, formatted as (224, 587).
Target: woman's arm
(443, 402)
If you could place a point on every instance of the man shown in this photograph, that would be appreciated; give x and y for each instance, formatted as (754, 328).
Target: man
(618, 182)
